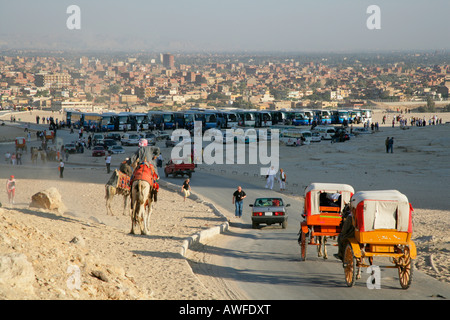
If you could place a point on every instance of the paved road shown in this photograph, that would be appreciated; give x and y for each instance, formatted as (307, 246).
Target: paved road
(265, 264)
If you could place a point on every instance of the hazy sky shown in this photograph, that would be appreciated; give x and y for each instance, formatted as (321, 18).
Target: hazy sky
(228, 25)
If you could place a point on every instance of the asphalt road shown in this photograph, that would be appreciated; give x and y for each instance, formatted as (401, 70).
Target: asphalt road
(265, 263)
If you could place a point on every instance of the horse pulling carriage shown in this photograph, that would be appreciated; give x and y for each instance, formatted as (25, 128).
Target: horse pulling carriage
(382, 222)
(21, 144)
(324, 203)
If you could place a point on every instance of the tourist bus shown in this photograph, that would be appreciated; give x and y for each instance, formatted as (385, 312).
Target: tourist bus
(92, 121)
(354, 116)
(339, 116)
(299, 118)
(162, 119)
(140, 120)
(107, 121)
(279, 117)
(263, 119)
(228, 119)
(323, 116)
(75, 119)
(122, 121)
(210, 119)
(246, 118)
(366, 115)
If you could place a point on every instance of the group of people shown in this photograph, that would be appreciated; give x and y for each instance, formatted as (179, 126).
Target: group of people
(280, 177)
(389, 142)
(13, 158)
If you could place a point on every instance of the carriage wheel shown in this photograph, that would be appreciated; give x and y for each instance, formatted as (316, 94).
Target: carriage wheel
(349, 266)
(303, 246)
(405, 268)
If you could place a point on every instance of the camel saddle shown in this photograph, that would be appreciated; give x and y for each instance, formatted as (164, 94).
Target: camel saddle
(120, 180)
(145, 171)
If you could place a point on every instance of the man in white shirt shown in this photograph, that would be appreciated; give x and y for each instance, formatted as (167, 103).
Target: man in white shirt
(108, 162)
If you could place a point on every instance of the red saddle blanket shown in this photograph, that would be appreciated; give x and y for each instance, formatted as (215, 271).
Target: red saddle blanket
(147, 172)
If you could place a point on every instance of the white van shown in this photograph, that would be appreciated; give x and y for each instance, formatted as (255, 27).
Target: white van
(293, 137)
(326, 132)
(130, 139)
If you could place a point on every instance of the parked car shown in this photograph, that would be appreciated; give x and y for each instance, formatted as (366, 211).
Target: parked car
(151, 138)
(162, 135)
(117, 149)
(98, 151)
(269, 211)
(108, 143)
(130, 139)
(70, 148)
(97, 139)
(316, 137)
(113, 135)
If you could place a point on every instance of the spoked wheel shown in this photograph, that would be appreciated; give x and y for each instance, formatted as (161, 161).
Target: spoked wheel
(349, 266)
(405, 268)
(303, 246)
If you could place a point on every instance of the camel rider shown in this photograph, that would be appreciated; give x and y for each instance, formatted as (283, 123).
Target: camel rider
(145, 153)
(146, 170)
(125, 167)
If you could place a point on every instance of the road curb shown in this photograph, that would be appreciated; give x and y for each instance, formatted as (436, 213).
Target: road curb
(204, 235)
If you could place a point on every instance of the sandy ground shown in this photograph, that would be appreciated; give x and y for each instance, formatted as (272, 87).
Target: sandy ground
(150, 267)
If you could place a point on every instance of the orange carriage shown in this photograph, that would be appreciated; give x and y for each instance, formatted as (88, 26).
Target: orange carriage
(21, 144)
(49, 135)
(382, 222)
(324, 203)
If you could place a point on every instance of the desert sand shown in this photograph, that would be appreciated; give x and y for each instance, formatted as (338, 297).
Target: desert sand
(116, 265)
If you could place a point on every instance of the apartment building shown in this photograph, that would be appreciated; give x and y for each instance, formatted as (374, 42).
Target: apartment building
(52, 80)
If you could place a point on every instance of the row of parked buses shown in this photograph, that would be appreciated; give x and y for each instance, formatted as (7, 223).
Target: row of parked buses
(220, 119)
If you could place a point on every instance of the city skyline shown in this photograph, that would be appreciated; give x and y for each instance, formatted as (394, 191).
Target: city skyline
(213, 26)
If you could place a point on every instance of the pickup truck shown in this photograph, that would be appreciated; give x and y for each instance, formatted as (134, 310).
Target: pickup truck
(178, 168)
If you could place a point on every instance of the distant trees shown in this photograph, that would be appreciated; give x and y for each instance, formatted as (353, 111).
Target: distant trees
(430, 107)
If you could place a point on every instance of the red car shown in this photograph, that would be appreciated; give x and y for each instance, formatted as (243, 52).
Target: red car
(98, 151)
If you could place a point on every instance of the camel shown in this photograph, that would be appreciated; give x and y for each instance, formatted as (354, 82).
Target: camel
(34, 155)
(143, 191)
(113, 188)
(141, 206)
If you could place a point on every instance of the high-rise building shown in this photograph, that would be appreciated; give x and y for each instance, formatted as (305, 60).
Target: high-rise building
(168, 61)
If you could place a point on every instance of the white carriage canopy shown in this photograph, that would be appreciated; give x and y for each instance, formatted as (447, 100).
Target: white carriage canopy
(315, 192)
(382, 209)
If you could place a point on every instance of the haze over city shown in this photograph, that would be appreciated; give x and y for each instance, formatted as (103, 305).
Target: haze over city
(226, 26)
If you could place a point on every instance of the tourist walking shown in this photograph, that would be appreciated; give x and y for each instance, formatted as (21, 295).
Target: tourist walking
(386, 142)
(186, 189)
(61, 168)
(270, 178)
(108, 162)
(282, 180)
(11, 189)
(238, 197)
(391, 144)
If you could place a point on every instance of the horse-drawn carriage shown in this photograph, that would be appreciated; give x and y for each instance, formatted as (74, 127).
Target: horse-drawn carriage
(324, 203)
(382, 222)
(21, 144)
(49, 135)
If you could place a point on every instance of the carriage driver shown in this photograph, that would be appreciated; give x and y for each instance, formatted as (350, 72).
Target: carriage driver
(347, 231)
